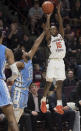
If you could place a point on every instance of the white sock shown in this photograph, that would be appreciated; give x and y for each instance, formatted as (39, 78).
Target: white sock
(43, 99)
(59, 102)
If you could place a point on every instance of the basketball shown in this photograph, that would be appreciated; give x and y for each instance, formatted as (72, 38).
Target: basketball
(47, 7)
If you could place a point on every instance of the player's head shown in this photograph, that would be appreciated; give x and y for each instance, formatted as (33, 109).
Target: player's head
(54, 29)
(18, 53)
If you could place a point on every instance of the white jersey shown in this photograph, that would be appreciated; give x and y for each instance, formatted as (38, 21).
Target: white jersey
(57, 47)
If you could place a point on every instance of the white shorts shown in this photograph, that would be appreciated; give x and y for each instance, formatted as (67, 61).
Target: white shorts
(18, 113)
(55, 70)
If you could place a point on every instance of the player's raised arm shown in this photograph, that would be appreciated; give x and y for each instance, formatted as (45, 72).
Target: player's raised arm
(60, 21)
(36, 45)
(9, 56)
(48, 8)
(11, 62)
(20, 65)
(48, 35)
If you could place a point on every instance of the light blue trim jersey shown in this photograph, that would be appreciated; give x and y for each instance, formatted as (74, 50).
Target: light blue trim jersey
(4, 92)
(26, 75)
(19, 91)
(2, 61)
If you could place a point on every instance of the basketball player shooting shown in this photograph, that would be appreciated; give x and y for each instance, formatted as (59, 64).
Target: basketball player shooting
(56, 67)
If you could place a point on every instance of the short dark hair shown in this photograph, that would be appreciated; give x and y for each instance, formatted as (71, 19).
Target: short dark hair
(18, 54)
(36, 2)
(55, 24)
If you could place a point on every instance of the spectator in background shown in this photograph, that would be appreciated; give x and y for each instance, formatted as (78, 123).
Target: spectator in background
(70, 80)
(68, 31)
(76, 10)
(37, 74)
(79, 51)
(69, 37)
(69, 83)
(78, 60)
(5, 13)
(23, 7)
(78, 94)
(4, 29)
(29, 2)
(27, 42)
(71, 44)
(65, 10)
(66, 4)
(72, 3)
(1, 24)
(15, 35)
(40, 56)
(33, 107)
(78, 71)
(67, 115)
(76, 13)
(35, 14)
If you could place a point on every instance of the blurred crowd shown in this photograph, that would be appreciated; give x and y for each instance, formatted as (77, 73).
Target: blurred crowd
(22, 22)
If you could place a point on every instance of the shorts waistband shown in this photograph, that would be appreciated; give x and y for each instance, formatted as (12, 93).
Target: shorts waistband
(18, 81)
(21, 88)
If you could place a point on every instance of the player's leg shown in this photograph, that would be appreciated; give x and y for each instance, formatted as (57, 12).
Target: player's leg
(46, 88)
(19, 98)
(49, 80)
(6, 105)
(43, 100)
(18, 113)
(49, 77)
(60, 76)
(59, 92)
(9, 113)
